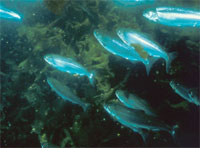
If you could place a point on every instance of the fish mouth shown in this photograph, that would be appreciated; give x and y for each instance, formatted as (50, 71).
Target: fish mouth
(110, 109)
(121, 31)
(151, 14)
(118, 93)
(47, 57)
(106, 107)
(15, 15)
(97, 33)
(173, 84)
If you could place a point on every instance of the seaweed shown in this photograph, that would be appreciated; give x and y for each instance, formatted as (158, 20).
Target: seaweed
(55, 6)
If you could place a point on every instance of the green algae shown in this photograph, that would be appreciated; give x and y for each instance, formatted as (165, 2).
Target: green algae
(183, 105)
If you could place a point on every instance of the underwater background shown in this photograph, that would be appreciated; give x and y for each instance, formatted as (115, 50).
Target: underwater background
(31, 113)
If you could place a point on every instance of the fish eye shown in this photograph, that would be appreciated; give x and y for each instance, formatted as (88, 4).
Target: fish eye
(148, 14)
(45, 58)
(172, 83)
(151, 15)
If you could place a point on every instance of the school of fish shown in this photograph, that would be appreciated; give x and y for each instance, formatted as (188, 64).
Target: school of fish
(135, 46)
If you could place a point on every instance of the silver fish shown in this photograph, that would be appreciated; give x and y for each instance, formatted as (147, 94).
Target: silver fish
(68, 65)
(132, 37)
(137, 119)
(185, 93)
(8, 14)
(66, 93)
(134, 102)
(119, 48)
(174, 16)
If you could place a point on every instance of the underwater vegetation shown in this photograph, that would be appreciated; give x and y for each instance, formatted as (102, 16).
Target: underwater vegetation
(55, 6)
(46, 105)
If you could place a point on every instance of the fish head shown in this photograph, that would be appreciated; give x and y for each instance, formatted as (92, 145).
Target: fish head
(112, 108)
(54, 60)
(176, 86)
(109, 109)
(14, 15)
(124, 35)
(49, 58)
(102, 37)
(194, 97)
(122, 96)
(17, 16)
(131, 37)
(97, 33)
(173, 84)
(120, 32)
(119, 93)
(151, 15)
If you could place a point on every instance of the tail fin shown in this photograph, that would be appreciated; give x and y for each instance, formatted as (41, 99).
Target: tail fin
(86, 106)
(173, 131)
(151, 61)
(171, 57)
(91, 78)
(144, 135)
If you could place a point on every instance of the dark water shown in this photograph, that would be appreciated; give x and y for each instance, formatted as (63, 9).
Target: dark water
(32, 113)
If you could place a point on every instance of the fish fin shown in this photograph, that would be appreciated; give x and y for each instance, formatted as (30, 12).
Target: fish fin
(173, 131)
(86, 106)
(151, 61)
(91, 78)
(171, 57)
(144, 134)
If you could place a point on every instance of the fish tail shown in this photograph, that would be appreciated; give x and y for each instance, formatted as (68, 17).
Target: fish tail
(173, 131)
(144, 135)
(91, 78)
(171, 57)
(149, 64)
(86, 106)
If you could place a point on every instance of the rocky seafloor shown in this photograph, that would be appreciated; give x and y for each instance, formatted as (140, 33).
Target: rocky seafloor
(32, 113)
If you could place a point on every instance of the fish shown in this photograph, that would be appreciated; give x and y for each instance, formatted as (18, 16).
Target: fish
(132, 38)
(174, 16)
(137, 120)
(69, 65)
(8, 14)
(117, 47)
(134, 102)
(66, 93)
(185, 92)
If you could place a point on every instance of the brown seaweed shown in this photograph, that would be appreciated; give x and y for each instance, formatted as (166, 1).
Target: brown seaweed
(55, 6)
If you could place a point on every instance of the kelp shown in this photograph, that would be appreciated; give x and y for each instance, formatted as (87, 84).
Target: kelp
(55, 6)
